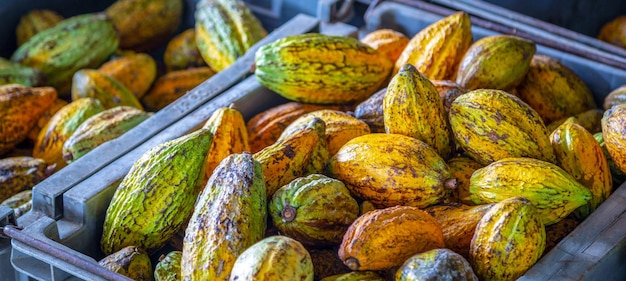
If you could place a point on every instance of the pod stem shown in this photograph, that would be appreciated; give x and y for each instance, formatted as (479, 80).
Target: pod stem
(352, 263)
(289, 213)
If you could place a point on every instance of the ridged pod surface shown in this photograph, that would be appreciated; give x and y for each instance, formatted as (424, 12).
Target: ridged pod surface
(181, 52)
(354, 276)
(590, 119)
(136, 71)
(20, 173)
(157, 196)
(371, 111)
(34, 22)
(15, 73)
(168, 267)
(315, 210)
(617, 175)
(229, 217)
(554, 90)
(83, 41)
(579, 154)
(324, 69)
(615, 97)
(385, 238)
(461, 169)
(225, 30)
(436, 264)
(458, 223)
(495, 62)
(297, 155)
(387, 41)
(145, 24)
(613, 32)
(438, 48)
(229, 137)
(267, 126)
(340, 127)
(20, 108)
(91, 83)
(491, 124)
(391, 169)
(49, 144)
(45, 117)
(448, 91)
(509, 239)
(614, 134)
(100, 128)
(273, 258)
(553, 191)
(412, 107)
(130, 261)
(173, 85)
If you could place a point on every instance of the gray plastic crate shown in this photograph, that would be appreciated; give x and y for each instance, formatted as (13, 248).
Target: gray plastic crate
(595, 249)
(67, 247)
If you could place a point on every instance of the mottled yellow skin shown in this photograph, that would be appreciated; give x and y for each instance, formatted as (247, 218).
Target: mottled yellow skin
(491, 124)
(554, 90)
(274, 258)
(45, 117)
(437, 264)
(20, 108)
(614, 32)
(354, 276)
(617, 175)
(590, 119)
(549, 188)
(91, 83)
(615, 97)
(35, 21)
(508, 240)
(579, 154)
(458, 223)
(49, 144)
(412, 107)
(168, 267)
(145, 24)
(181, 52)
(136, 71)
(437, 49)
(19, 173)
(385, 238)
(130, 261)
(614, 133)
(495, 62)
(321, 69)
(340, 127)
(391, 169)
(294, 156)
(229, 137)
(461, 169)
(173, 85)
(389, 42)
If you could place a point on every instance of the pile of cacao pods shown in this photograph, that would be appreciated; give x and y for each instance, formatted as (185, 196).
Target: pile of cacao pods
(74, 83)
(424, 158)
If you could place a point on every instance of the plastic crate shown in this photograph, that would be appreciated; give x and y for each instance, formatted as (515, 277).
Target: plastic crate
(67, 247)
(595, 249)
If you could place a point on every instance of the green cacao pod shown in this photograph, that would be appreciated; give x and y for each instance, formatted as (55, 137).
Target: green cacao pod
(491, 124)
(495, 62)
(412, 107)
(91, 83)
(436, 264)
(273, 258)
(83, 41)
(34, 22)
(100, 128)
(315, 210)
(230, 216)
(552, 190)
(508, 240)
(225, 30)
(168, 267)
(318, 68)
(156, 197)
(130, 261)
(15, 73)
